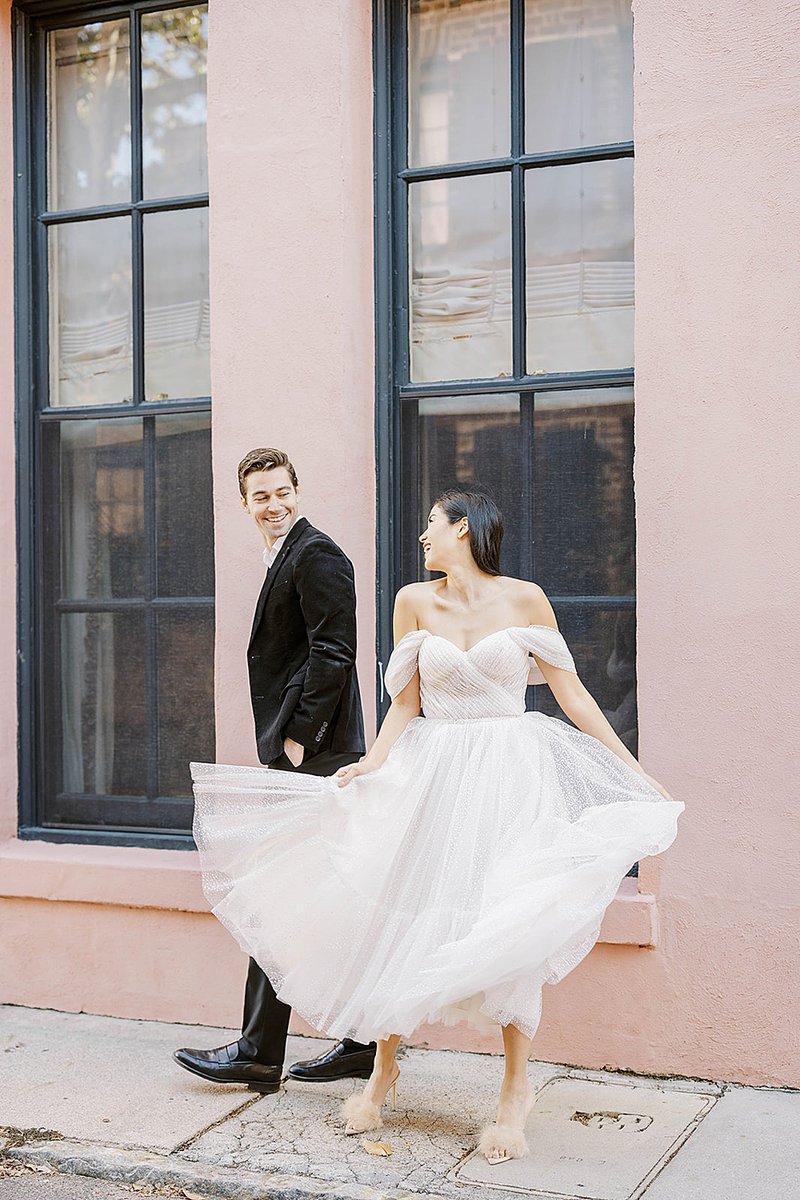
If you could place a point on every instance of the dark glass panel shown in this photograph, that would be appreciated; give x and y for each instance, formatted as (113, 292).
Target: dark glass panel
(584, 525)
(103, 707)
(603, 644)
(184, 505)
(469, 442)
(101, 508)
(185, 696)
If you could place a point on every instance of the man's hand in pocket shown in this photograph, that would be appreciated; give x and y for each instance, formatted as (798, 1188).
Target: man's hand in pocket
(293, 751)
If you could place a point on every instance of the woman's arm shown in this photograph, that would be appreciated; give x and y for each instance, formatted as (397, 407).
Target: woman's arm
(404, 707)
(577, 702)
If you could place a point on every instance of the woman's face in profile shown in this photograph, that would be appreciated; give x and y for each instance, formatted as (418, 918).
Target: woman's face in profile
(439, 540)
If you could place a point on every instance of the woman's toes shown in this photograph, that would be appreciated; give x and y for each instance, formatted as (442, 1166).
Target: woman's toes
(498, 1143)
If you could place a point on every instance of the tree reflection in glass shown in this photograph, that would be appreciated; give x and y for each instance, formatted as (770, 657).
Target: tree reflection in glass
(174, 48)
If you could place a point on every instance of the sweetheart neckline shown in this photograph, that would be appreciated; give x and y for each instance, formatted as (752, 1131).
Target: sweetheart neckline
(480, 641)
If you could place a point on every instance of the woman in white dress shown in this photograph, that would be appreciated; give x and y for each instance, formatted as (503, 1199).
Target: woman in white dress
(467, 859)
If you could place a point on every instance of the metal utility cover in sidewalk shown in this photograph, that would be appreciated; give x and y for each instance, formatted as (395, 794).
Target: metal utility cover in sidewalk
(601, 1141)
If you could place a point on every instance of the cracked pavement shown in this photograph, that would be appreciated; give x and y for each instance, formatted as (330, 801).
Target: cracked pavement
(101, 1097)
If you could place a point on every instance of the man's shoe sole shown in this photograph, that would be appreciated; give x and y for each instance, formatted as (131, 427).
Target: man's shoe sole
(254, 1085)
(328, 1078)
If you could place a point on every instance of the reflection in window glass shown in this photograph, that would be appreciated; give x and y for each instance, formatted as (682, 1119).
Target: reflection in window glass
(603, 644)
(184, 511)
(185, 673)
(103, 708)
(176, 298)
(579, 270)
(578, 73)
(459, 81)
(89, 115)
(174, 49)
(460, 278)
(583, 492)
(90, 312)
(101, 508)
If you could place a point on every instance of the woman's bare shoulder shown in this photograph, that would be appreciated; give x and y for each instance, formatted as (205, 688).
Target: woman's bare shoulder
(413, 598)
(532, 600)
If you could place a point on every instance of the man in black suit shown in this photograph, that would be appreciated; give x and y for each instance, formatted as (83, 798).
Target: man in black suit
(307, 711)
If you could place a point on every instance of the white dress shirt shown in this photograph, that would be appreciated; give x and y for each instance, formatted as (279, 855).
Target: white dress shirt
(271, 555)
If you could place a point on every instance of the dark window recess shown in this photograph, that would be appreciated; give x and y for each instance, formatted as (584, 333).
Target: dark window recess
(504, 307)
(117, 563)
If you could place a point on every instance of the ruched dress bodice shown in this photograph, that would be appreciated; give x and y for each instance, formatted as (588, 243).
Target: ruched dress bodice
(487, 680)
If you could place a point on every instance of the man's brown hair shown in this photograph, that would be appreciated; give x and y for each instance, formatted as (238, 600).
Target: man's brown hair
(264, 459)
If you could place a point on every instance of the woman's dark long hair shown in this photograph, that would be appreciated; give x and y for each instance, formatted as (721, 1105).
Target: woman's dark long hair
(484, 521)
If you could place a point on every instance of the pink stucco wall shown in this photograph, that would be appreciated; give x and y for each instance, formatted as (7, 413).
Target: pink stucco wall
(698, 971)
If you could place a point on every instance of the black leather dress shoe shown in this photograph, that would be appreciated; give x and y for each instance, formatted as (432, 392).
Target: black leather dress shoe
(345, 1060)
(227, 1064)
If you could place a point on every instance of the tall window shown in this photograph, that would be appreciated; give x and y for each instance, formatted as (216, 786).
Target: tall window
(115, 474)
(505, 302)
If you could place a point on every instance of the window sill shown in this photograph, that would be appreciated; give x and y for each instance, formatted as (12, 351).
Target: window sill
(132, 877)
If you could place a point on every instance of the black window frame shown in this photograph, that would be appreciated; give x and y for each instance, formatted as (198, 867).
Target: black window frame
(392, 345)
(32, 21)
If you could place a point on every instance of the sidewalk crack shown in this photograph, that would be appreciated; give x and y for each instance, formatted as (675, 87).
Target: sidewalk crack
(235, 1112)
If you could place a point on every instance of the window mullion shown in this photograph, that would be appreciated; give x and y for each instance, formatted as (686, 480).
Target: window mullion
(518, 298)
(151, 626)
(137, 219)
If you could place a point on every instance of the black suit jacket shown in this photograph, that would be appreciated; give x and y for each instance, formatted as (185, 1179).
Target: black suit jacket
(302, 650)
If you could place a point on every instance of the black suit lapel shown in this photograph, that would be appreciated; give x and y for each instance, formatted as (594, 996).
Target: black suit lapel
(292, 538)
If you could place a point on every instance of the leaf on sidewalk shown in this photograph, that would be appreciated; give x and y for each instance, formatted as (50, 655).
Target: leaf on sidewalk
(382, 1149)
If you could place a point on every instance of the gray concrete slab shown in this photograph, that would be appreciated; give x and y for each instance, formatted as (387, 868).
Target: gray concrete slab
(748, 1147)
(102, 1079)
(597, 1139)
(443, 1099)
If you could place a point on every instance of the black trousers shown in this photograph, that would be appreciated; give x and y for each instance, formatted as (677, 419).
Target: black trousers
(265, 1023)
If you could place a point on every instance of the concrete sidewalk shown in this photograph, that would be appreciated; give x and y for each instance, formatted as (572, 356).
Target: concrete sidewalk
(98, 1096)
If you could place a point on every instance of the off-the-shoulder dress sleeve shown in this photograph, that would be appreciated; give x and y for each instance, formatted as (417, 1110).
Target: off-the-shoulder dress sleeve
(403, 662)
(546, 643)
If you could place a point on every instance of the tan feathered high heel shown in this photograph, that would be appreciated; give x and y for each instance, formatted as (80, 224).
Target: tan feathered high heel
(363, 1115)
(500, 1142)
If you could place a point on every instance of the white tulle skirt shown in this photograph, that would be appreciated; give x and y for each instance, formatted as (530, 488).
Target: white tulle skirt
(472, 868)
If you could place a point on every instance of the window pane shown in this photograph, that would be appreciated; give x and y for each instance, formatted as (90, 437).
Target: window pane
(89, 115)
(461, 441)
(186, 696)
(103, 710)
(578, 73)
(90, 312)
(579, 246)
(174, 45)
(584, 513)
(184, 512)
(603, 644)
(458, 78)
(460, 278)
(101, 508)
(176, 323)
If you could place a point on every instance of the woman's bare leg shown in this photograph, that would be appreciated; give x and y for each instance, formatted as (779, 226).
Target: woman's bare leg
(363, 1111)
(505, 1138)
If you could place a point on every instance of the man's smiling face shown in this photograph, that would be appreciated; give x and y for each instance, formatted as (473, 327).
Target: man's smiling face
(272, 501)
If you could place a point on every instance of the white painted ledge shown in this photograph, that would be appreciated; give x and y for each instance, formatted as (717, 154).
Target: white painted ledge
(169, 880)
